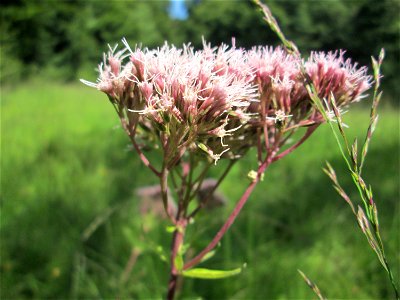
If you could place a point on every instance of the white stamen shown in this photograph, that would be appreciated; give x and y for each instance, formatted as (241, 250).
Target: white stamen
(279, 116)
(217, 157)
(88, 83)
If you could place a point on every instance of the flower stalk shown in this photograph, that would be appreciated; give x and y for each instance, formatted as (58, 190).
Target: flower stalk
(199, 107)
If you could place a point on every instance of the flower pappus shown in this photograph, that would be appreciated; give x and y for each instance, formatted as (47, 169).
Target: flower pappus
(280, 116)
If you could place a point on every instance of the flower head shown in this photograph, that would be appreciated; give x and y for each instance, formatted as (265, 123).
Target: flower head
(280, 82)
(187, 96)
(332, 73)
(220, 97)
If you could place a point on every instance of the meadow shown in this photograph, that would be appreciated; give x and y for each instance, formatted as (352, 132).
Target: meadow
(71, 225)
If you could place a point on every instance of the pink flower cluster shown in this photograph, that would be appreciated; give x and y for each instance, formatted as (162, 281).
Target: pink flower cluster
(215, 100)
(281, 87)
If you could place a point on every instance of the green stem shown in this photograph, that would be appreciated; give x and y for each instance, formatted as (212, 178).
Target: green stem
(189, 183)
(164, 191)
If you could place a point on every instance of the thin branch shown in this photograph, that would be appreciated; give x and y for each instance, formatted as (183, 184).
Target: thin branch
(189, 182)
(164, 192)
(131, 133)
(232, 216)
(199, 180)
(211, 192)
(144, 159)
(310, 130)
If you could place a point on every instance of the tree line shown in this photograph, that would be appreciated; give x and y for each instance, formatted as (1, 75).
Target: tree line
(65, 39)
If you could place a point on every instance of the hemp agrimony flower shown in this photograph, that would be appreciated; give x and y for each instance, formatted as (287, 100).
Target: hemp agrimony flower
(212, 100)
(183, 96)
(200, 106)
(284, 103)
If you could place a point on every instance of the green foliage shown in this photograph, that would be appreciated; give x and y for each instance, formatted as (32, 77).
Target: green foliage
(58, 179)
(311, 25)
(71, 225)
(377, 25)
(65, 39)
(203, 273)
(71, 35)
(219, 21)
(71, 222)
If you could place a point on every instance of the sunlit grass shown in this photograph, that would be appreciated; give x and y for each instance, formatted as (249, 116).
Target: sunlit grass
(65, 163)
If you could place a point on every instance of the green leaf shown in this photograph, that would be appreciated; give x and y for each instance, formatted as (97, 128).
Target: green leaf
(170, 229)
(211, 254)
(179, 262)
(161, 253)
(202, 147)
(208, 256)
(204, 273)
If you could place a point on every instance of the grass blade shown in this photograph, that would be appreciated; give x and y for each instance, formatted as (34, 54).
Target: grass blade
(312, 285)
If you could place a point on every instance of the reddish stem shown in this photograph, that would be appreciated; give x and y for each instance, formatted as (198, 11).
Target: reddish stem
(309, 131)
(232, 216)
(177, 239)
(144, 159)
(131, 131)
(177, 242)
(172, 286)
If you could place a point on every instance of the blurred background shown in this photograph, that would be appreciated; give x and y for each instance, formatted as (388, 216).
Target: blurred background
(71, 223)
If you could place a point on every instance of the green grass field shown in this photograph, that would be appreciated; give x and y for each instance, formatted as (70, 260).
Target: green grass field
(70, 219)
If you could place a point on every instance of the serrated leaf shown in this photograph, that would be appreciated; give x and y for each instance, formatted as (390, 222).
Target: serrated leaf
(203, 273)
